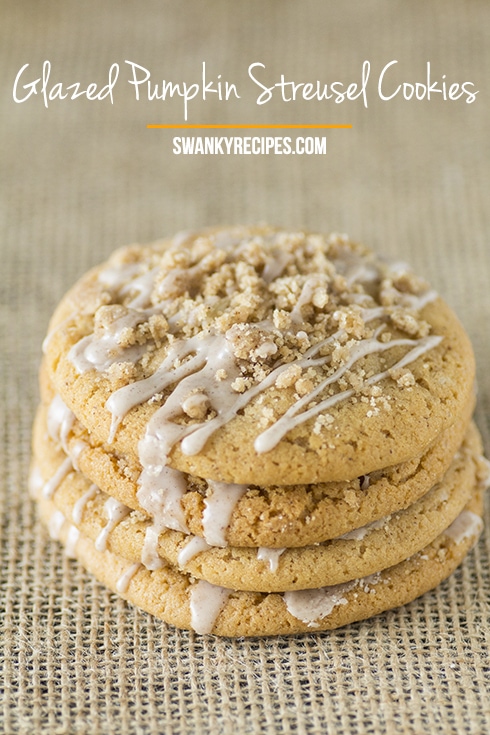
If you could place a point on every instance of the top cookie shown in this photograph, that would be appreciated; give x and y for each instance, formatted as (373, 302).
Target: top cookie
(258, 355)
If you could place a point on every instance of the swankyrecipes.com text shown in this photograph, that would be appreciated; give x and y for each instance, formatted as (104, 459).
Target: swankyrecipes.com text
(249, 145)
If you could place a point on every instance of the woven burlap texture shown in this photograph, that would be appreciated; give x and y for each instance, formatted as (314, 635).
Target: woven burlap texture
(80, 178)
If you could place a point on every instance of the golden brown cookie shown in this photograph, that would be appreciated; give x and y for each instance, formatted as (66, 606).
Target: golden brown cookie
(254, 355)
(177, 598)
(275, 517)
(361, 552)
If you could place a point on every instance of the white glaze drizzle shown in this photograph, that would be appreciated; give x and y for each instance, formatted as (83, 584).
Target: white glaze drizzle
(124, 580)
(181, 237)
(55, 524)
(466, 525)
(52, 485)
(206, 603)
(356, 271)
(80, 505)
(100, 353)
(207, 355)
(357, 534)
(305, 297)
(160, 493)
(115, 512)
(196, 545)
(60, 421)
(35, 482)
(276, 264)
(121, 276)
(270, 556)
(143, 286)
(218, 509)
(150, 557)
(483, 472)
(75, 450)
(171, 285)
(72, 541)
(310, 606)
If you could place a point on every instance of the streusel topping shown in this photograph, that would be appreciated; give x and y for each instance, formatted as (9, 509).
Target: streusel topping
(207, 323)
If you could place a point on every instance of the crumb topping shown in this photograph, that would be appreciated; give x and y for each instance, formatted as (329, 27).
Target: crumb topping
(297, 312)
(220, 283)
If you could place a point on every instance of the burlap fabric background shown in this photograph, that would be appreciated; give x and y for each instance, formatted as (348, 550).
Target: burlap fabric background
(80, 178)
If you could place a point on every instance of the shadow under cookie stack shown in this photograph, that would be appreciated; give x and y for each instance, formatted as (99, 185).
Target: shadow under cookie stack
(246, 431)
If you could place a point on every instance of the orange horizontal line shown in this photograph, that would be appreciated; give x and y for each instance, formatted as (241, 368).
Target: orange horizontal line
(246, 125)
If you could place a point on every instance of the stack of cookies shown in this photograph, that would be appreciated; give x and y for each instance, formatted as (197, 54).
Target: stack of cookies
(246, 431)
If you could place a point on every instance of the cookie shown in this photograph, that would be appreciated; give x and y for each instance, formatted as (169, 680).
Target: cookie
(360, 553)
(254, 355)
(177, 598)
(248, 431)
(273, 517)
